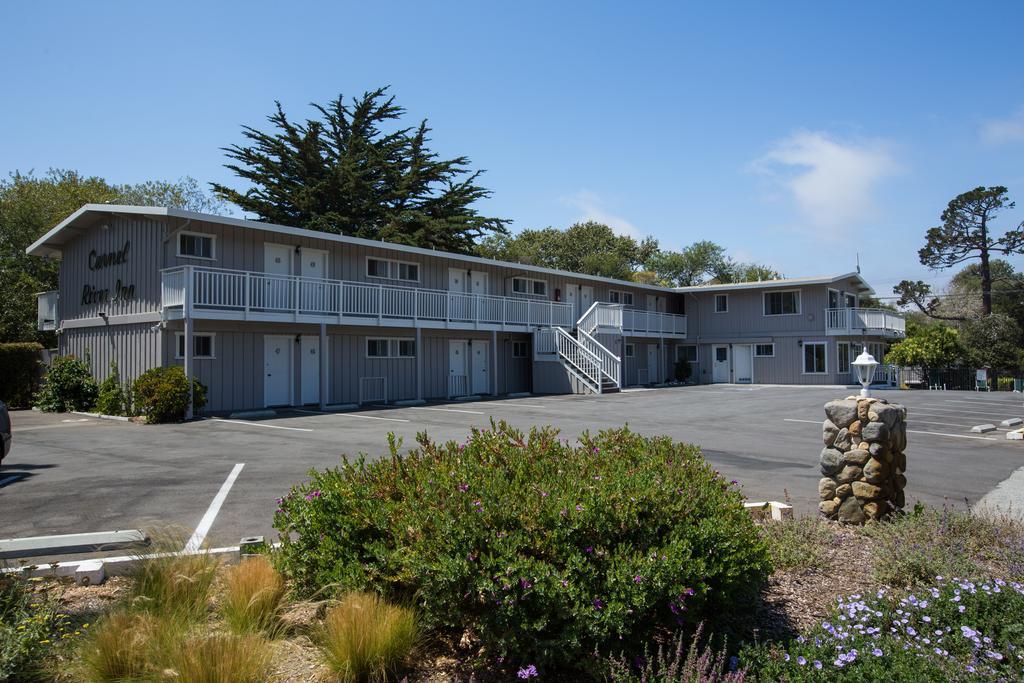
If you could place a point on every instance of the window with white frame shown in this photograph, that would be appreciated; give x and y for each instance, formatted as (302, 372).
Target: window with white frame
(390, 347)
(843, 357)
(851, 300)
(202, 345)
(529, 286)
(630, 350)
(782, 303)
(815, 362)
(389, 269)
(833, 298)
(764, 350)
(520, 349)
(618, 296)
(196, 245)
(721, 303)
(687, 353)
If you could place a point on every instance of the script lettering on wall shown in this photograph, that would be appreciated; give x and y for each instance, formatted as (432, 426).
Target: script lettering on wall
(121, 291)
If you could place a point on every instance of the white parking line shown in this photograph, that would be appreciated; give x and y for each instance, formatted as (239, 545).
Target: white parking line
(449, 410)
(956, 411)
(1008, 402)
(911, 431)
(367, 417)
(928, 422)
(10, 480)
(523, 405)
(259, 424)
(199, 535)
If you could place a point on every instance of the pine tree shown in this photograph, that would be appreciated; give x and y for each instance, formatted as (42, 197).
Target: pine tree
(344, 173)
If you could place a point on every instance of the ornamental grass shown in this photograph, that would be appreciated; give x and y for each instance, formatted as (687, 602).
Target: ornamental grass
(364, 639)
(251, 598)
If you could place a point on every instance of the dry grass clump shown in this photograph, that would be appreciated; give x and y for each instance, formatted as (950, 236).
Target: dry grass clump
(125, 645)
(220, 658)
(798, 543)
(364, 638)
(168, 582)
(252, 595)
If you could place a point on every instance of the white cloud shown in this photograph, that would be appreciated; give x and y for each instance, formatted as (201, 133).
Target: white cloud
(1002, 131)
(592, 208)
(831, 181)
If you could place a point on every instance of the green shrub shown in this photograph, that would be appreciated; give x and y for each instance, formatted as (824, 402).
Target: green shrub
(363, 638)
(161, 394)
(29, 626)
(1004, 384)
(798, 543)
(19, 373)
(957, 630)
(111, 396)
(546, 550)
(683, 370)
(69, 386)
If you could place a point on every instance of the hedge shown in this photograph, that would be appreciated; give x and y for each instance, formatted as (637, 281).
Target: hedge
(19, 373)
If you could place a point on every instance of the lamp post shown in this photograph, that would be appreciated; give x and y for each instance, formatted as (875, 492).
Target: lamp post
(865, 365)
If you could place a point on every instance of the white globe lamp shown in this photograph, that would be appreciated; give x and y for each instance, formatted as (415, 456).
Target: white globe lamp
(865, 365)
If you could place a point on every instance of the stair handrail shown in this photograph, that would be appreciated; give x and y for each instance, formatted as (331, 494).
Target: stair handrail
(611, 364)
(580, 324)
(593, 372)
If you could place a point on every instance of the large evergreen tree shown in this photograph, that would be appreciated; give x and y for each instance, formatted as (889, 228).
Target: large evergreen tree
(349, 172)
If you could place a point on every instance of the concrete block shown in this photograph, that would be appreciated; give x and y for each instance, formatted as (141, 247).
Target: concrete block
(90, 573)
(770, 509)
(1012, 422)
(38, 546)
(1017, 435)
(983, 429)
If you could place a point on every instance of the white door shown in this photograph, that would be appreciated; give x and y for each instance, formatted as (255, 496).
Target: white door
(313, 294)
(653, 371)
(720, 363)
(276, 293)
(586, 299)
(481, 367)
(277, 370)
(743, 356)
(310, 355)
(478, 282)
(456, 280)
(571, 298)
(458, 379)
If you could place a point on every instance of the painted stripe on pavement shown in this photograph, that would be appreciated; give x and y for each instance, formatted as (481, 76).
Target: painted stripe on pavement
(259, 424)
(199, 535)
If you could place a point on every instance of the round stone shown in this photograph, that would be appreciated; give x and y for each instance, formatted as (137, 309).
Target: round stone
(850, 512)
(900, 461)
(857, 456)
(841, 413)
(876, 471)
(829, 432)
(828, 507)
(843, 490)
(875, 431)
(877, 449)
(873, 510)
(899, 499)
(901, 481)
(865, 491)
(855, 427)
(831, 461)
(849, 473)
(862, 410)
(843, 440)
(826, 489)
(887, 414)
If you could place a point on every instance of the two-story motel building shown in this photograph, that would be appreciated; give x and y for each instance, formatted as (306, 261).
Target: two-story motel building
(269, 315)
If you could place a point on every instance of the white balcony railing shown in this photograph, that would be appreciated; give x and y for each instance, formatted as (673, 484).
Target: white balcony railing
(864, 321)
(46, 311)
(604, 317)
(244, 293)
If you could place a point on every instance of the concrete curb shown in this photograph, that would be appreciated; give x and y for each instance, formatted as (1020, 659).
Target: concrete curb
(983, 429)
(101, 416)
(1017, 435)
(95, 570)
(770, 509)
(1012, 422)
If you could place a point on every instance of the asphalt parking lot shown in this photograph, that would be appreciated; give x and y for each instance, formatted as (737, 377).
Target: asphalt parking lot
(69, 473)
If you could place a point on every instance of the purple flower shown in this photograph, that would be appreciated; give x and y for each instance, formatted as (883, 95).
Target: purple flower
(876, 652)
(528, 672)
(579, 508)
(463, 487)
(801, 660)
(598, 604)
(523, 583)
(589, 549)
(638, 579)
(817, 664)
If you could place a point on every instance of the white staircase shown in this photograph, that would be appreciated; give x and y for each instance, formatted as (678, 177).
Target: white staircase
(598, 370)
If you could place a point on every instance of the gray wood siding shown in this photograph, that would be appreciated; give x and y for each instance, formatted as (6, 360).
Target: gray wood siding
(135, 348)
(141, 268)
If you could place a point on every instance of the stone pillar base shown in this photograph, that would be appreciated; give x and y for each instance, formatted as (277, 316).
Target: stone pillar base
(864, 459)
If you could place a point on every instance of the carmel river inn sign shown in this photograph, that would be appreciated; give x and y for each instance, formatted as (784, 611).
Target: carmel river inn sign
(121, 292)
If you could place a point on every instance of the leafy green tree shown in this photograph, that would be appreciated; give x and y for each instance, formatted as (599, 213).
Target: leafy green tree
(747, 272)
(928, 347)
(965, 234)
(30, 205)
(705, 262)
(344, 173)
(1007, 291)
(993, 341)
(589, 247)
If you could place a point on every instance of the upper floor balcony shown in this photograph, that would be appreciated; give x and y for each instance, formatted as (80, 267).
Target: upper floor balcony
(604, 318)
(861, 321)
(46, 311)
(243, 295)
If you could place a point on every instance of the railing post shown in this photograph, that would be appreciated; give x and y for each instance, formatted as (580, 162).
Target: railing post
(248, 293)
(380, 303)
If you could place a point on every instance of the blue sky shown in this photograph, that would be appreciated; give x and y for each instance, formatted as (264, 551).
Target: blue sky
(789, 132)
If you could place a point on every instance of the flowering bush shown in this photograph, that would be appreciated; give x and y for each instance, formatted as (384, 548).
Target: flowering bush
(69, 386)
(956, 630)
(30, 625)
(546, 551)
